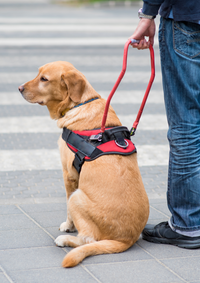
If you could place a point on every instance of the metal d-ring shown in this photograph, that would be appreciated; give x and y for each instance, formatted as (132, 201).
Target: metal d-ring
(123, 146)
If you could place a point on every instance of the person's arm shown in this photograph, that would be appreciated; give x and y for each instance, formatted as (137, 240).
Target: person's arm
(151, 7)
(146, 27)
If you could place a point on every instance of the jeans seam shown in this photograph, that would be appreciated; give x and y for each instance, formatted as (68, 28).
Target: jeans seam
(187, 56)
(185, 31)
(188, 41)
(194, 40)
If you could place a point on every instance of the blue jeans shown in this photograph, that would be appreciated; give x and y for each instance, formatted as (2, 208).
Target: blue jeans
(180, 62)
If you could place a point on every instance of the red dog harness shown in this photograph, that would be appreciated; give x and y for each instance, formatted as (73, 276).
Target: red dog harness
(91, 144)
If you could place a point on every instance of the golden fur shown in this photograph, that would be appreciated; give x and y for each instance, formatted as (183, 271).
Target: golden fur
(107, 202)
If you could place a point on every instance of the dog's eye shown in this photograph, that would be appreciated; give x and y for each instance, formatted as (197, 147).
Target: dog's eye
(43, 79)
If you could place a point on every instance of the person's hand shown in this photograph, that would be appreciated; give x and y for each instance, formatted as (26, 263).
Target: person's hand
(147, 28)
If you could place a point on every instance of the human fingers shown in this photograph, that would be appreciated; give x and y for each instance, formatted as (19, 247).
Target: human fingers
(143, 44)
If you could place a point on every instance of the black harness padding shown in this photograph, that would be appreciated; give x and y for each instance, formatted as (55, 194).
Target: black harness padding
(85, 145)
(78, 142)
(84, 148)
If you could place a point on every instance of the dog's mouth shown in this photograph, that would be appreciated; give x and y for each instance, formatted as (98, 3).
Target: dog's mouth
(41, 103)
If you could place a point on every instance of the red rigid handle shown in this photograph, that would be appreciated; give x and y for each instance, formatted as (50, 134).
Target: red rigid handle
(118, 82)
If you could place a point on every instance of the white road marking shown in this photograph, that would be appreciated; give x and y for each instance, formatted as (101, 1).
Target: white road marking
(42, 159)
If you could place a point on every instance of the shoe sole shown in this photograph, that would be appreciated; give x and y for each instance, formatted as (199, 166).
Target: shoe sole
(179, 243)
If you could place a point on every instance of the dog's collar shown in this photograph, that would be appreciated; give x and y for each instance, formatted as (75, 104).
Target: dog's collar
(90, 100)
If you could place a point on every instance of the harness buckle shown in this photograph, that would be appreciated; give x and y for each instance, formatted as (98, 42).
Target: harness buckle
(97, 137)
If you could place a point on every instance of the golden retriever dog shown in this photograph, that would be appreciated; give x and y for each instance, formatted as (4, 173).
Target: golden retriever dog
(106, 203)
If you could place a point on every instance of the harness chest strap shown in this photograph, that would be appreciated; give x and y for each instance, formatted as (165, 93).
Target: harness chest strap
(80, 147)
(89, 145)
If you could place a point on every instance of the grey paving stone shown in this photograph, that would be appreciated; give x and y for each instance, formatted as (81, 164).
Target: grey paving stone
(15, 222)
(161, 251)
(45, 207)
(162, 208)
(150, 137)
(27, 184)
(105, 59)
(150, 108)
(36, 110)
(158, 201)
(28, 141)
(49, 218)
(50, 140)
(26, 238)
(55, 232)
(187, 268)
(11, 209)
(58, 275)
(155, 181)
(135, 253)
(22, 110)
(132, 272)
(31, 258)
(3, 278)
(156, 215)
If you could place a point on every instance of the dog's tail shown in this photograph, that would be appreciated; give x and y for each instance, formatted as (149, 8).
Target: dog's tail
(75, 256)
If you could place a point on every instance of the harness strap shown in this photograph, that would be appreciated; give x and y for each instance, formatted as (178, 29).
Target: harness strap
(116, 132)
(78, 161)
(119, 134)
(78, 142)
(83, 148)
(88, 147)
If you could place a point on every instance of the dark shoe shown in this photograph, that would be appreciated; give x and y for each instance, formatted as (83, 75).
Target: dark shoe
(163, 234)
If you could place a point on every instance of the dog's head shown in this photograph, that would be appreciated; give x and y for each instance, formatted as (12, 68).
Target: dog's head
(58, 85)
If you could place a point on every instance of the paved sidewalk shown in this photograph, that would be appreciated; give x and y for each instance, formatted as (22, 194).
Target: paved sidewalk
(32, 194)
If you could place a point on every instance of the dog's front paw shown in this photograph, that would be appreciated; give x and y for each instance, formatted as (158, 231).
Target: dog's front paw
(67, 227)
(60, 241)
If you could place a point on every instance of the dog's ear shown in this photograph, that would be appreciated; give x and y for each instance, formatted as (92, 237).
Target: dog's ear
(75, 84)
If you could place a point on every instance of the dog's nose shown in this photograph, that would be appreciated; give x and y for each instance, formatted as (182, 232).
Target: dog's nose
(21, 88)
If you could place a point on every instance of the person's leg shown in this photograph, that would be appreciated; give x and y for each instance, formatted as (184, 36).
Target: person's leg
(180, 63)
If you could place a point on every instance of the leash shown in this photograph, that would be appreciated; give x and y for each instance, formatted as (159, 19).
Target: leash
(135, 124)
